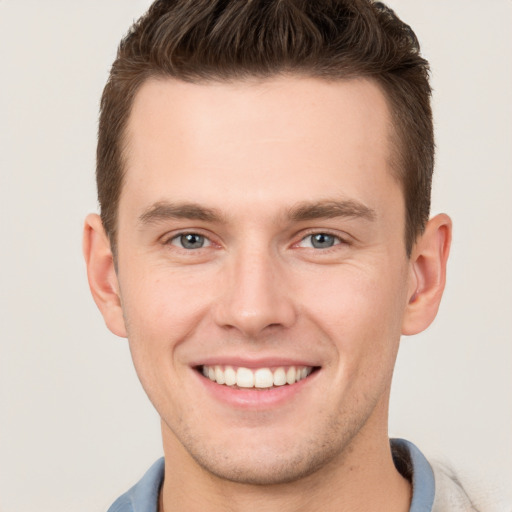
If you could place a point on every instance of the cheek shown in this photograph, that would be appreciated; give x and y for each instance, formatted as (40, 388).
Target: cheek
(163, 299)
(162, 310)
(360, 317)
(360, 311)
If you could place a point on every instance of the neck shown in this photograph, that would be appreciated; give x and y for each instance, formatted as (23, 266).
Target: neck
(362, 478)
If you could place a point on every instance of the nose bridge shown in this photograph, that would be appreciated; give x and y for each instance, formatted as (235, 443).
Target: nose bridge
(255, 296)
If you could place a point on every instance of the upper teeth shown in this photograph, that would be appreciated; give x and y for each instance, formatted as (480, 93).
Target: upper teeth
(256, 378)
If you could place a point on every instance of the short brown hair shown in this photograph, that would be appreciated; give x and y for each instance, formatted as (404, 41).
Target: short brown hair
(205, 40)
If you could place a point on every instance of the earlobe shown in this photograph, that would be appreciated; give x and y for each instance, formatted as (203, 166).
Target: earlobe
(101, 274)
(427, 274)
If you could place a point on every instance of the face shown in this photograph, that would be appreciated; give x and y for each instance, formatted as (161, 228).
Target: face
(261, 242)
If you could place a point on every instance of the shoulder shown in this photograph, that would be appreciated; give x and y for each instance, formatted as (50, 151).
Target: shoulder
(465, 491)
(143, 496)
(451, 494)
(436, 487)
(122, 504)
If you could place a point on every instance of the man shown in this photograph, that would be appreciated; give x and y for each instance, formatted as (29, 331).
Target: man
(264, 173)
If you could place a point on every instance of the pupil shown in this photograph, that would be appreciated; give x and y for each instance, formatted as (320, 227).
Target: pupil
(321, 240)
(192, 241)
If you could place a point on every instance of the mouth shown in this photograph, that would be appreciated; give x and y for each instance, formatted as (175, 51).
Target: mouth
(264, 378)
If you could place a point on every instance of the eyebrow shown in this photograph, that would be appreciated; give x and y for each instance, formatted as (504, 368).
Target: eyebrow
(164, 210)
(331, 209)
(302, 211)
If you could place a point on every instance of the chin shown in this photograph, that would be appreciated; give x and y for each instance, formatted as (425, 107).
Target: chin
(263, 469)
(268, 460)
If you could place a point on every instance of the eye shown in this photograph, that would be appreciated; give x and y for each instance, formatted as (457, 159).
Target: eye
(190, 241)
(320, 241)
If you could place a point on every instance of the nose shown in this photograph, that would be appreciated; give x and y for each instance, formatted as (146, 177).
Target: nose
(256, 295)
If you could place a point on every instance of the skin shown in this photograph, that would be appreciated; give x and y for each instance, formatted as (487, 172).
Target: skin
(241, 165)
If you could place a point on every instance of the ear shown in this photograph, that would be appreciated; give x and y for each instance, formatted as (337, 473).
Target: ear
(102, 275)
(427, 274)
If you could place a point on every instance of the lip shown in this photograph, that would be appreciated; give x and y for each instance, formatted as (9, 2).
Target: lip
(254, 363)
(252, 398)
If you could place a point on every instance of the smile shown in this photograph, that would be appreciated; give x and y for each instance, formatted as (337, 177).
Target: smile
(261, 378)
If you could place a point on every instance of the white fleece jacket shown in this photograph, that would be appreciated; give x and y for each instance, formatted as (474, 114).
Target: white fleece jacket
(450, 495)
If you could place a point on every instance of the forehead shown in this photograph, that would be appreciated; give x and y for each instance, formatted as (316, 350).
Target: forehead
(281, 139)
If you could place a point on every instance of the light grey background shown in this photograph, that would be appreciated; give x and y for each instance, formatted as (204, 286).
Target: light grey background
(75, 427)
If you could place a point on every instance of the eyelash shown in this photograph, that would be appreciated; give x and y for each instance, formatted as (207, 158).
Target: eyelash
(338, 240)
(178, 236)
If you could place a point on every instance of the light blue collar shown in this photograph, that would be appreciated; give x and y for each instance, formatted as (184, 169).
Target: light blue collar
(423, 484)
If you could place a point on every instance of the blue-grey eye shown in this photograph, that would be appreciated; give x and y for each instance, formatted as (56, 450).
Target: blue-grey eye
(322, 240)
(190, 241)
